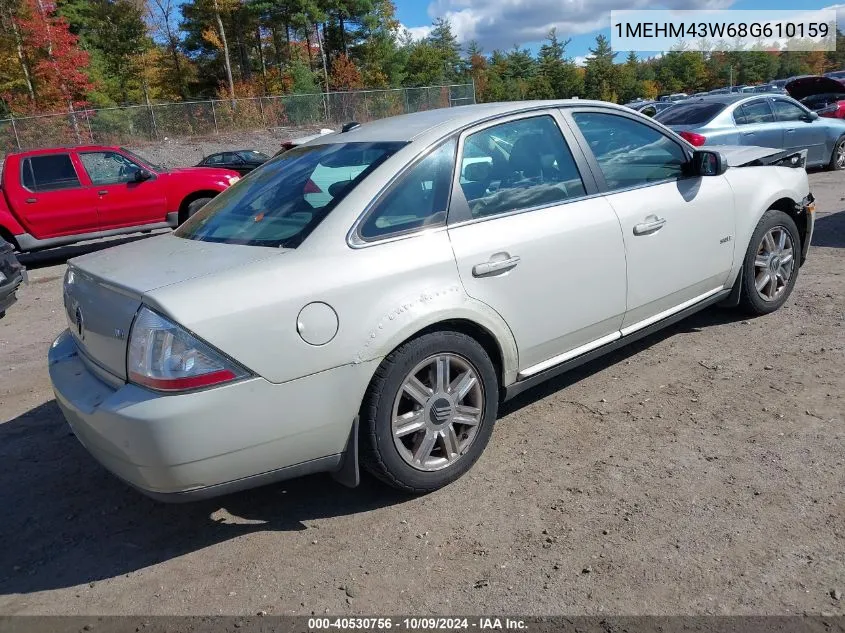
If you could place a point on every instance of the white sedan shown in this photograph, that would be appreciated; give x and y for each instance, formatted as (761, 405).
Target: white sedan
(373, 295)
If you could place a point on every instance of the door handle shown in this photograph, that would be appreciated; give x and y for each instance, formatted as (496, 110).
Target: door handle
(30, 200)
(102, 192)
(499, 263)
(651, 225)
(790, 130)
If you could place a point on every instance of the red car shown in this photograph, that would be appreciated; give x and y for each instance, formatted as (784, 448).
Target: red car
(52, 197)
(824, 95)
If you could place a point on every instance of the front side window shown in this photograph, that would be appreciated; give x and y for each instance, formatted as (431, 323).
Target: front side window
(231, 158)
(49, 173)
(785, 111)
(108, 168)
(630, 153)
(518, 165)
(280, 204)
(419, 199)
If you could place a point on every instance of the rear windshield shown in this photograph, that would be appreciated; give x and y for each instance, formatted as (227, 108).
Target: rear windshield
(690, 113)
(279, 204)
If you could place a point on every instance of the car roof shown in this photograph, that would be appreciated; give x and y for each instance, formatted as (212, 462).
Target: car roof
(444, 121)
(70, 148)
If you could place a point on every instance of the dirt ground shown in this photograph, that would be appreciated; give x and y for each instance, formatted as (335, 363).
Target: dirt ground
(700, 471)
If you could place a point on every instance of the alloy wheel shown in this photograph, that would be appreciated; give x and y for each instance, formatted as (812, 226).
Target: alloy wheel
(437, 412)
(774, 263)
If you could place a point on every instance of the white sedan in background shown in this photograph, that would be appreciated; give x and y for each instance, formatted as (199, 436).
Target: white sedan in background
(457, 257)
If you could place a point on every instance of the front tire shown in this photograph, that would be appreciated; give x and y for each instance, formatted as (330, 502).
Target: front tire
(837, 158)
(193, 207)
(770, 268)
(429, 412)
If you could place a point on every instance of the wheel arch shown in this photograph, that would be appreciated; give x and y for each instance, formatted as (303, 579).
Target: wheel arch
(191, 197)
(7, 235)
(484, 325)
(793, 209)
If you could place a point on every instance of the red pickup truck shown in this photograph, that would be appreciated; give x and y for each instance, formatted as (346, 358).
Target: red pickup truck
(52, 197)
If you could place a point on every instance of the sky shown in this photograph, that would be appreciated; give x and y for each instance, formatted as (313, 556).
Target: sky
(499, 24)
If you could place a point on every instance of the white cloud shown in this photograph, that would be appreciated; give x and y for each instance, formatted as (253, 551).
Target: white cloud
(503, 23)
(417, 32)
(580, 60)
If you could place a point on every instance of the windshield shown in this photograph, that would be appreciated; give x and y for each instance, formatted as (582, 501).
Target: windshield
(281, 203)
(141, 159)
(690, 113)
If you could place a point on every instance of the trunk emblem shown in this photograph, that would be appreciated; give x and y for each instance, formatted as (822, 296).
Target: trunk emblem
(80, 324)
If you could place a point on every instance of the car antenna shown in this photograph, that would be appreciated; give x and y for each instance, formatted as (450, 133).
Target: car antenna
(349, 126)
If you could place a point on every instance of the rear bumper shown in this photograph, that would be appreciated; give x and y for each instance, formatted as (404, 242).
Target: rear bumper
(207, 443)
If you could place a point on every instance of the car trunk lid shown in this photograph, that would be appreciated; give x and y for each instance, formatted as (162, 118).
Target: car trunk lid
(103, 291)
(808, 86)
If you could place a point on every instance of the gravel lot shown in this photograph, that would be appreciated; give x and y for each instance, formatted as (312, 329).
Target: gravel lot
(700, 471)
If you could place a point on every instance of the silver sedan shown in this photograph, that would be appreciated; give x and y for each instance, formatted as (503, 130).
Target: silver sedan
(770, 120)
(373, 295)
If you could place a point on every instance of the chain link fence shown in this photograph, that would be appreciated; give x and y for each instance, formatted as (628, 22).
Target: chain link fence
(130, 125)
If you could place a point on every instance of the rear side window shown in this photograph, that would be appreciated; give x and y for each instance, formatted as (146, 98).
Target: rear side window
(754, 112)
(419, 199)
(280, 204)
(690, 113)
(518, 165)
(48, 173)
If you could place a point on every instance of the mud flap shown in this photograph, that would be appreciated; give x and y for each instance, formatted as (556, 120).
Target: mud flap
(348, 472)
(732, 300)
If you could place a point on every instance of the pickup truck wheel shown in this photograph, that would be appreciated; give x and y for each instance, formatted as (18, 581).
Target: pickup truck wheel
(429, 412)
(837, 158)
(193, 207)
(771, 266)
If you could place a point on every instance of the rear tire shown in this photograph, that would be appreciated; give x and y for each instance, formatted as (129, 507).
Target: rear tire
(771, 263)
(837, 158)
(192, 208)
(429, 412)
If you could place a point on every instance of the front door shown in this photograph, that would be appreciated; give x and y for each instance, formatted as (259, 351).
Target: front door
(533, 243)
(121, 201)
(52, 199)
(801, 133)
(678, 230)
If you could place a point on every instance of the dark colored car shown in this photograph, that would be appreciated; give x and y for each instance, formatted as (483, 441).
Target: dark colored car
(242, 161)
(12, 274)
(825, 95)
(648, 107)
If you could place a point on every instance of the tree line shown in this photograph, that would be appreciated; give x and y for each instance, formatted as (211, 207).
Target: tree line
(57, 55)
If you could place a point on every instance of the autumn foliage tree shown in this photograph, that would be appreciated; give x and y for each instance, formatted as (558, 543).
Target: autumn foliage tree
(51, 57)
(344, 75)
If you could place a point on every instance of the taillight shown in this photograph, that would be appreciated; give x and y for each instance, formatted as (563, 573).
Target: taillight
(696, 139)
(165, 357)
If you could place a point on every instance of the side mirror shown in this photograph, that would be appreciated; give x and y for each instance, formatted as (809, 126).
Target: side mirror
(141, 175)
(708, 163)
(811, 116)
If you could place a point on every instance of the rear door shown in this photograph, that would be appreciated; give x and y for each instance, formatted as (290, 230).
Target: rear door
(534, 241)
(53, 197)
(799, 133)
(678, 230)
(757, 125)
(121, 201)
